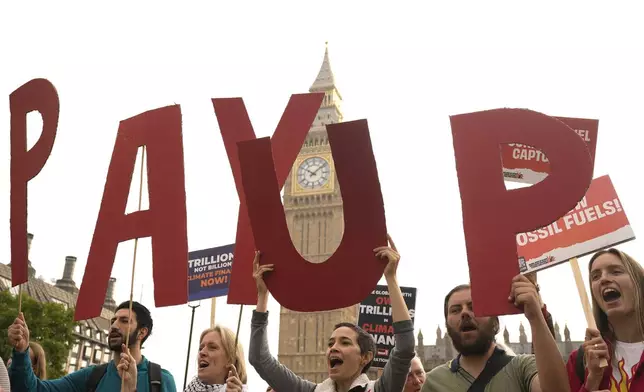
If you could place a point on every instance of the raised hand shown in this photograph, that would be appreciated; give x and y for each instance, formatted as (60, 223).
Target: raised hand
(258, 274)
(391, 254)
(18, 334)
(233, 383)
(595, 349)
(127, 369)
(524, 295)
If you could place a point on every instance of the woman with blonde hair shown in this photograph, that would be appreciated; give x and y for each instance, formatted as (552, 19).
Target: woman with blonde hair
(616, 284)
(38, 360)
(221, 365)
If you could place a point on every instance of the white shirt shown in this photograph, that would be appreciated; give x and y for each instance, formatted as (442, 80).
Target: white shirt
(4, 378)
(627, 357)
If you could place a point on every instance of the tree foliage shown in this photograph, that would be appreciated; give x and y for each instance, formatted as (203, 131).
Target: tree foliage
(50, 324)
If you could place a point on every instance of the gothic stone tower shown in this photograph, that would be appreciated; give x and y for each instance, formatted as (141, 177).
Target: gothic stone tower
(313, 208)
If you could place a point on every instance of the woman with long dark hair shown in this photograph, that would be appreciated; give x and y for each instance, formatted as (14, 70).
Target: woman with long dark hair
(350, 349)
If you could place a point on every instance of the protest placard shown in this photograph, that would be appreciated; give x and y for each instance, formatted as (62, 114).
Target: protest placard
(375, 318)
(209, 272)
(598, 221)
(526, 164)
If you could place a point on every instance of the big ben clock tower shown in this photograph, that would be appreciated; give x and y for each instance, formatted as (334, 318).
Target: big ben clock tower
(315, 219)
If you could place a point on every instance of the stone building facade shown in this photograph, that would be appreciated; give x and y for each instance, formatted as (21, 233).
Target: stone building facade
(313, 208)
(443, 350)
(91, 346)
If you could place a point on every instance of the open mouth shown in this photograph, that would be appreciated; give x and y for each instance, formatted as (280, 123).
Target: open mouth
(610, 294)
(468, 327)
(114, 336)
(203, 364)
(333, 362)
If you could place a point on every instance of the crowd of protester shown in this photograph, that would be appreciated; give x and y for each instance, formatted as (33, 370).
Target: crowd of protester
(482, 364)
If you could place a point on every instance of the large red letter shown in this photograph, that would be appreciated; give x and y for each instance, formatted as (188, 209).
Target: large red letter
(291, 131)
(492, 215)
(353, 270)
(160, 131)
(40, 95)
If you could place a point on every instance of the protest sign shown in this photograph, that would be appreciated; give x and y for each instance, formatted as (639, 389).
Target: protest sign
(160, 133)
(286, 142)
(209, 272)
(364, 216)
(598, 221)
(526, 164)
(375, 318)
(493, 215)
(39, 95)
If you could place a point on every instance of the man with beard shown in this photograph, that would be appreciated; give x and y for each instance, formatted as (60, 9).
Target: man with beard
(482, 365)
(142, 376)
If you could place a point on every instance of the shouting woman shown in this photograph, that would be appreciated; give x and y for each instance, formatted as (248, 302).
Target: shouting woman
(616, 283)
(350, 350)
(221, 364)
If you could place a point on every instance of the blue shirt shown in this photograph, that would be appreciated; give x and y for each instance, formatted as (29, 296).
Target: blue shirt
(23, 378)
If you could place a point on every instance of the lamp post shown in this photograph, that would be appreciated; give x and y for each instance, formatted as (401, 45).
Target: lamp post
(192, 322)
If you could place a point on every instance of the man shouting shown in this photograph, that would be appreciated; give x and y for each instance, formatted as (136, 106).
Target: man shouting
(482, 365)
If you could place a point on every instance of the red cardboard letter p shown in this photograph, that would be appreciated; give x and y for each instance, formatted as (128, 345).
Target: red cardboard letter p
(40, 95)
(492, 215)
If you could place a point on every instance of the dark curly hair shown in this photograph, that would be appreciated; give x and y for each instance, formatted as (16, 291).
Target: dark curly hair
(143, 317)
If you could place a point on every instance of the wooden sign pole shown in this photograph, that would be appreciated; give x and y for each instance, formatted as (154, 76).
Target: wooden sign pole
(585, 303)
(30, 238)
(213, 307)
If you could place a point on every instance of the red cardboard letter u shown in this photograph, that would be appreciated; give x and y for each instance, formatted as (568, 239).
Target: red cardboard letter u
(352, 271)
(287, 140)
(492, 215)
(165, 221)
(40, 95)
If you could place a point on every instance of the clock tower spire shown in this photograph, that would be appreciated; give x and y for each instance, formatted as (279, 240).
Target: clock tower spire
(330, 111)
(313, 209)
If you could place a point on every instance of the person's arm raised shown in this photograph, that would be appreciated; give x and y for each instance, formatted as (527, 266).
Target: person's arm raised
(21, 374)
(259, 356)
(262, 290)
(398, 305)
(394, 374)
(552, 375)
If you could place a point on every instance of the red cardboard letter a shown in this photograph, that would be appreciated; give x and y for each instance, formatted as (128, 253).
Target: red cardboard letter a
(492, 215)
(165, 221)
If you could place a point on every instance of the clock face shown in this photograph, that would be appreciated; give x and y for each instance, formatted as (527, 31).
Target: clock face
(313, 173)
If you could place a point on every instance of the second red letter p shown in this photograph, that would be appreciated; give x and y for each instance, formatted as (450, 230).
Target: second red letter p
(492, 215)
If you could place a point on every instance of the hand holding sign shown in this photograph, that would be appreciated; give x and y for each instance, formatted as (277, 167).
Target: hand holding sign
(258, 274)
(524, 296)
(595, 352)
(18, 334)
(391, 254)
(262, 289)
